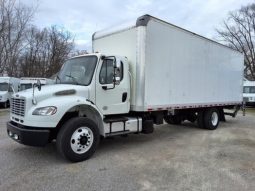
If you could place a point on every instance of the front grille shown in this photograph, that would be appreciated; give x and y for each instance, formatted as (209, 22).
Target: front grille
(18, 106)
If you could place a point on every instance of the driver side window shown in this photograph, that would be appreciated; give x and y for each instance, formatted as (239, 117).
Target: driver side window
(106, 73)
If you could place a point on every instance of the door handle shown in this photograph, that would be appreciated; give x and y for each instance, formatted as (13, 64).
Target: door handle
(124, 96)
(104, 87)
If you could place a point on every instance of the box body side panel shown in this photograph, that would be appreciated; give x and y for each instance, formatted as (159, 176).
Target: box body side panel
(183, 69)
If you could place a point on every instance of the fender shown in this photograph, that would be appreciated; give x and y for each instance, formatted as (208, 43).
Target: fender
(85, 110)
(64, 104)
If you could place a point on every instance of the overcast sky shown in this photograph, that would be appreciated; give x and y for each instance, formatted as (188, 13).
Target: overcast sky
(84, 17)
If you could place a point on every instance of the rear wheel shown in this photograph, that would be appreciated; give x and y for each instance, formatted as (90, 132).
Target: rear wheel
(211, 118)
(78, 139)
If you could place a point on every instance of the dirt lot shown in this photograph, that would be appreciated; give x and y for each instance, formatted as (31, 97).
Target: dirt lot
(172, 158)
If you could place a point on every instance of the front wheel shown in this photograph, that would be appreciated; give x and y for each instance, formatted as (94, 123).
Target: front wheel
(78, 139)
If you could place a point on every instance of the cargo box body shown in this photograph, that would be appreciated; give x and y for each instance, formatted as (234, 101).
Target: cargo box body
(173, 68)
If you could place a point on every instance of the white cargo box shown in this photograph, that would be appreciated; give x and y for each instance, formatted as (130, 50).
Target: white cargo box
(172, 67)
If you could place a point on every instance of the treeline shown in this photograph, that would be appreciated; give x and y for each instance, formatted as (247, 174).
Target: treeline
(238, 32)
(26, 50)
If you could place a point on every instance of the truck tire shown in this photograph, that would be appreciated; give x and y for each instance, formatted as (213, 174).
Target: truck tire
(78, 139)
(173, 119)
(211, 118)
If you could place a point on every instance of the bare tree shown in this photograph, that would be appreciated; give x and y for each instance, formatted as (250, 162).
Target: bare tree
(239, 33)
(14, 19)
(45, 52)
(34, 55)
(78, 52)
(61, 43)
(26, 50)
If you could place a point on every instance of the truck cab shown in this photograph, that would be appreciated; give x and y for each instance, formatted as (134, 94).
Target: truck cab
(100, 76)
(249, 92)
(8, 86)
(89, 91)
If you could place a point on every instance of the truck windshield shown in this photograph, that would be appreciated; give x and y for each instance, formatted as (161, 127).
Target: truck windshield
(78, 71)
(249, 89)
(4, 86)
(25, 86)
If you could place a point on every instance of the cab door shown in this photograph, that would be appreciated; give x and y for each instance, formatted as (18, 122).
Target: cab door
(110, 97)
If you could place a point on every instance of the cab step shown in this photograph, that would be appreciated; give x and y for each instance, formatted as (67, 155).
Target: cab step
(117, 133)
(115, 119)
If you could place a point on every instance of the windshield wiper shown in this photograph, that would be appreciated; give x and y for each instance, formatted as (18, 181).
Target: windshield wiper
(73, 78)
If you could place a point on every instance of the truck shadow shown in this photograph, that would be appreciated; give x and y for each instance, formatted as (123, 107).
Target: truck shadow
(162, 133)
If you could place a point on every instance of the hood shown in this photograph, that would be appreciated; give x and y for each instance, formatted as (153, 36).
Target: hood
(3, 92)
(3, 95)
(51, 90)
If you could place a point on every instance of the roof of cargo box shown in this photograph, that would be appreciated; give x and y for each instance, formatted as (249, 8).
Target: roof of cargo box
(143, 21)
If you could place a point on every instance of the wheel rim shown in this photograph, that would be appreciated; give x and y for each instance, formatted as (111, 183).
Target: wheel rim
(81, 140)
(214, 118)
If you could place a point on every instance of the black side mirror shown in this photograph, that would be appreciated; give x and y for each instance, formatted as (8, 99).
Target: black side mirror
(38, 85)
(117, 69)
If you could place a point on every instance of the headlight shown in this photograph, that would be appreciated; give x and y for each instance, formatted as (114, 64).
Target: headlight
(50, 110)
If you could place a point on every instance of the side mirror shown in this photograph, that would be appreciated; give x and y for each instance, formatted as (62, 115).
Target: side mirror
(117, 72)
(38, 85)
(117, 81)
(117, 63)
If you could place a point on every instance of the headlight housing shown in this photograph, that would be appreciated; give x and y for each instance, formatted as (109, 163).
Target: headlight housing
(49, 110)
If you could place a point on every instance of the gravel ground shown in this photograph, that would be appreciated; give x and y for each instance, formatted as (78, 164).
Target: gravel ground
(172, 158)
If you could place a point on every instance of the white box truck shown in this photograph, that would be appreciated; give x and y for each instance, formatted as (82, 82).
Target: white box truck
(28, 82)
(249, 92)
(145, 73)
(8, 86)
